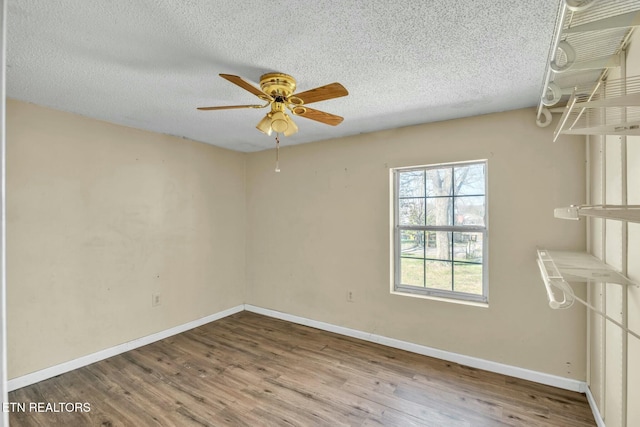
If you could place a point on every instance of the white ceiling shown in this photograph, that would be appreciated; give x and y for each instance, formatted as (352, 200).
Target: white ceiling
(149, 63)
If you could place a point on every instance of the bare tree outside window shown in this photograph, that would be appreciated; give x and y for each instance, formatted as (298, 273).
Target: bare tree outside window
(440, 229)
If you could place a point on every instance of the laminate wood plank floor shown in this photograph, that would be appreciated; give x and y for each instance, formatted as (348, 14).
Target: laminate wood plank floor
(252, 370)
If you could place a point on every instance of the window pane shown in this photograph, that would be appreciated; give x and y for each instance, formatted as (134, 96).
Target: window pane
(411, 211)
(468, 278)
(438, 245)
(411, 184)
(439, 182)
(427, 202)
(469, 180)
(440, 211)
(412, 271)
(469, 210)
(467, 247)
(439, 275)
(412, 243)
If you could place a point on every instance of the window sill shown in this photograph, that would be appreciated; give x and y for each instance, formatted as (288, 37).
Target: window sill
(442, 299)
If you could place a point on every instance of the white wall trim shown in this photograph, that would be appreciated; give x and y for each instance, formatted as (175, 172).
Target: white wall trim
(474, 362)
(43, 374)
(594, 408)
(4, 417)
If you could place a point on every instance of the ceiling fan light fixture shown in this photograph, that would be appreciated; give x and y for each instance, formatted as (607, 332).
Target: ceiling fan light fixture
(292, 128)
(264, 125)
(279, 122)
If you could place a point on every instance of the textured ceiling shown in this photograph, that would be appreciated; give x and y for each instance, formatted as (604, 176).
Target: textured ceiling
(149, 63)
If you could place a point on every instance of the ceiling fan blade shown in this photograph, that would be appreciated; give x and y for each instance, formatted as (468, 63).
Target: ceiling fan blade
(322, 93)
(231, 107)
(321, 116)
(245, 85)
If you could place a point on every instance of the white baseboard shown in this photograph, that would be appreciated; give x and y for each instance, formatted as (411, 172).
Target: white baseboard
(474, 362)
(487, 365)
(594, 408)
(34, 377)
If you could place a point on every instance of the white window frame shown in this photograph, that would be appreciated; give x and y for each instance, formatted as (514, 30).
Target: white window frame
(451, 295)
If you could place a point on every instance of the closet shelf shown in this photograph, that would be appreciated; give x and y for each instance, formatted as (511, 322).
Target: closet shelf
(588, 39)
(558, 268)
(629, 213)
(612, 107)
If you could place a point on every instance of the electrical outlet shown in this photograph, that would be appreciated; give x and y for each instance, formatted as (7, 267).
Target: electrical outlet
(350, 296)
(155, 300)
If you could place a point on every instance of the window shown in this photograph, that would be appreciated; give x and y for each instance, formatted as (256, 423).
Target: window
(440, 231)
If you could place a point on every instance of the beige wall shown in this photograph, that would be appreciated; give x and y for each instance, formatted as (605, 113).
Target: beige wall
(100, 217)
(321, 227)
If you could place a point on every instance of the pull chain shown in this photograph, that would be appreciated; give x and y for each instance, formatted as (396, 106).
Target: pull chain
(277, 153)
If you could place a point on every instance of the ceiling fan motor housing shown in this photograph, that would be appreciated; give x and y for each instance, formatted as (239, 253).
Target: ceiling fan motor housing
(278, 84)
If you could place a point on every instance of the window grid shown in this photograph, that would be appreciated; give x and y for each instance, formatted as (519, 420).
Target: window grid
(452, 193)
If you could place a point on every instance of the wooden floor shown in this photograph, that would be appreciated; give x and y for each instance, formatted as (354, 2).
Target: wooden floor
(251, 370)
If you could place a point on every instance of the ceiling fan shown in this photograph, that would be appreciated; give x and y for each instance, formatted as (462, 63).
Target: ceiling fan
(277, 90)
